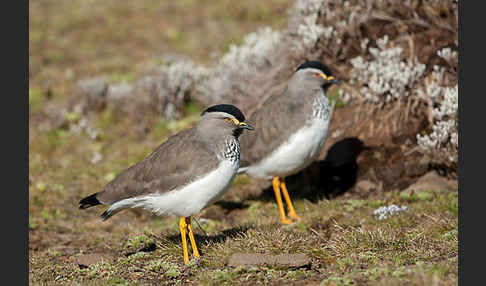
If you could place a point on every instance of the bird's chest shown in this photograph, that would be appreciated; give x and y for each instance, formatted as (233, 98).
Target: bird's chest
(231, 151)
(305, 144)
(301, 147)
(296, 153)
(195, 196)
(321, 110)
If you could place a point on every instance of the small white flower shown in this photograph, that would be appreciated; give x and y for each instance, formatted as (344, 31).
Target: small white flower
(97, 157)
(384, 212)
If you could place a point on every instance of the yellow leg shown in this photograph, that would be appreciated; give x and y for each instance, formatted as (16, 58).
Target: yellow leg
(278, 197)
(182, 228)
(292, 213)
(195, 252)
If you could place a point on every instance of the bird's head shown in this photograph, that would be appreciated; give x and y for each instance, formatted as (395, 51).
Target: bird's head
(317, 73)
(225, 118)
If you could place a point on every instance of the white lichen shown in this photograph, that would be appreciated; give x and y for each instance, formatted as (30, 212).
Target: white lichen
(96, 158)
(344, 97)
(444, 138)
(309, 32)
(84, 125)
(304, 16)
(252, 54)
(337, 133)
(386, 76)
(387, 211)
(181, 76)
(448, 54)
(364, 44)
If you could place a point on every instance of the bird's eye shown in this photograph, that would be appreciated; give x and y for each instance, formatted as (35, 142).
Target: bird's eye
(227, 119)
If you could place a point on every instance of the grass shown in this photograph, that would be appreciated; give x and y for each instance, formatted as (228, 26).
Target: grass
(348, 246)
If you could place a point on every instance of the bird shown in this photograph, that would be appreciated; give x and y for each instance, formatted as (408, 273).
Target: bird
(188, 172)
(292, 129)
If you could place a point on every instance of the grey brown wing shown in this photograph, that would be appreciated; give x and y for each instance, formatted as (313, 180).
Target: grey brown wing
(172, 164)
(273, 122)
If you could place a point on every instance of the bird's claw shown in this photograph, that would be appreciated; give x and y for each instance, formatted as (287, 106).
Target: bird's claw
(294, 216)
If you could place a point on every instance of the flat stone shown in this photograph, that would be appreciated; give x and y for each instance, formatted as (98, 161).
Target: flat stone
(414, 168)
(89, 259)
(281, 260)
(366, 186)
(432, 181)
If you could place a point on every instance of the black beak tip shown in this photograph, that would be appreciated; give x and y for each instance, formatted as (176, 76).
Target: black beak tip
(247, 126)
(335, 81)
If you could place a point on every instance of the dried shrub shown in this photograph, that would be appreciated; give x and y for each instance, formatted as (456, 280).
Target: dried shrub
(164, 90)
(387, 52)
(233, 77)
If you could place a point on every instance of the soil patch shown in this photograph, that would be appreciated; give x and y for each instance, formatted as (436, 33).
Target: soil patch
(282, 260)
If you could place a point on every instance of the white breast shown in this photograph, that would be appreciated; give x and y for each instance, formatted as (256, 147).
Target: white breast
(295, 154)
(190, 199)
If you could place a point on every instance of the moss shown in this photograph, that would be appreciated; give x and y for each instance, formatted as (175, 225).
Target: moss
(334, 99)
(337, 281)
(56, 138)
(240, 180)
(138, 242)
(119, 77)
(35, 98)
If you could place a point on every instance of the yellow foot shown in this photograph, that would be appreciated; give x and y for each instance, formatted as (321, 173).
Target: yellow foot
(195, 252)
(278, 197)
(185, 226)
(183, 229)
(294, 216)
(286, 221)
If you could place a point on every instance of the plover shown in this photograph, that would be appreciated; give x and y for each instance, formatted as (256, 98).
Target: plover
(185, 174)
(292, 129)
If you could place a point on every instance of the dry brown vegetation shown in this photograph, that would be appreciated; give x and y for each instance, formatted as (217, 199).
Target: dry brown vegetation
(81, 136)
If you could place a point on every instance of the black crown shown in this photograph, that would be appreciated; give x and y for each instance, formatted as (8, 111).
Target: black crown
(315, 65)
(228, 108)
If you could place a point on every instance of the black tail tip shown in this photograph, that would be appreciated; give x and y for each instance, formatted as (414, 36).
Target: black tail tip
(89, 201)
(106, 215)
